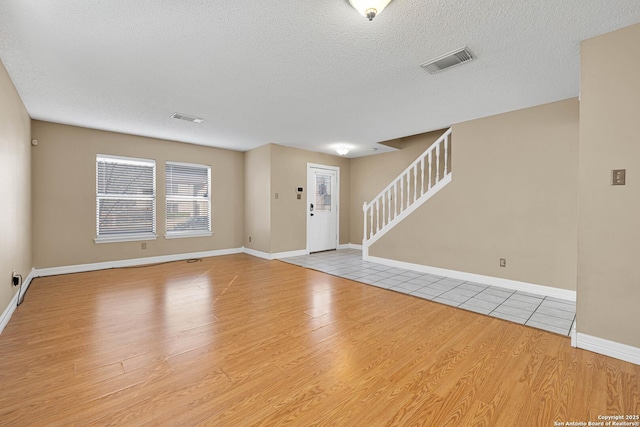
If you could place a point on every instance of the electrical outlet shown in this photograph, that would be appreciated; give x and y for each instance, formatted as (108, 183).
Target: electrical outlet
(503, 262)
(618, 176)
(15, 278)
(143, 245)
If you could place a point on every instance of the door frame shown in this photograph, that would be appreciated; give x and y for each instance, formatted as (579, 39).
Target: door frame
(336, 169)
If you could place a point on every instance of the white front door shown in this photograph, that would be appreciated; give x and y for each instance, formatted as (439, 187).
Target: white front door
(322, 208)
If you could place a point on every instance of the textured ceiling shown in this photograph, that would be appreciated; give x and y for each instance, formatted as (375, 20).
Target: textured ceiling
(303, 73)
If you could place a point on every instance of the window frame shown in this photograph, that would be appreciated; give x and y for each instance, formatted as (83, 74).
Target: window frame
(169, 198)
(125, 237)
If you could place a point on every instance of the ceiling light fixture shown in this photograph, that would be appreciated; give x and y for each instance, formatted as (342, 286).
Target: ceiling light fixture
(342, 150)
(369, 8)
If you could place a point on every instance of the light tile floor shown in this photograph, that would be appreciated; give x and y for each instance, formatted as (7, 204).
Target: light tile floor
(551, 314)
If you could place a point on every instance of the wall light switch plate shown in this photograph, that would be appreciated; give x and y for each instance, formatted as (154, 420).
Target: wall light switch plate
(618, 176)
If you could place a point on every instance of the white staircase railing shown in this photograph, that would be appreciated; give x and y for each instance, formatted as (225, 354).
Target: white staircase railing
(427, 175)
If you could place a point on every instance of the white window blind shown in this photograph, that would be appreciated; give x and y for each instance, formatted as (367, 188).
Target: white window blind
(125, 198)
(188, 189)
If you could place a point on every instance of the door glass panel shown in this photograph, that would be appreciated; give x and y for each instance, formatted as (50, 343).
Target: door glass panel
(323, 193)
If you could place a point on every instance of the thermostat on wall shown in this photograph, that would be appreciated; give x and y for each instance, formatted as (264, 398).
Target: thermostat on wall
(299, 190)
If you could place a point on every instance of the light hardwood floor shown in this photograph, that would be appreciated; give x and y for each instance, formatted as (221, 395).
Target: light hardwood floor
(236, 340)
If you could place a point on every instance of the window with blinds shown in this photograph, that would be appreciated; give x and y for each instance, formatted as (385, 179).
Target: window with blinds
(125, 199)
(188, 189)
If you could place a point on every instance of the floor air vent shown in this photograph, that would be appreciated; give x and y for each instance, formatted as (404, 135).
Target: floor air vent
(448, 60)
(187, 118)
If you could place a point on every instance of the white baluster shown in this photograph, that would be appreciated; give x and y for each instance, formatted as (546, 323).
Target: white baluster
(408, 188)
(401, 195)
(364, 223)
(416, 184)
(371, 222)
(389, 206)
(437, 163)
(384, 210)
(421, 176)
(395, 199)
(377, 215)
(430, 166)
(446, 155)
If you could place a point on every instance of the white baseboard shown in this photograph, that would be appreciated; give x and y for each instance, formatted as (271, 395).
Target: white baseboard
(608, 348)
(573, 333)
(350, 246)
(80, 268)
(259, 254)
(8, 312)
(300, 252)
(478, 278)
(13, 304)
(276, 255)
(52, 271)
(27, 282)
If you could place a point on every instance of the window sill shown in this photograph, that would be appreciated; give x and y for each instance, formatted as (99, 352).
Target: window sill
(188, 234)
(125, 238)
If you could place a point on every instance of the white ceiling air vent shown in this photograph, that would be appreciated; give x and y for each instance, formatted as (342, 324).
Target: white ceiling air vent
(187, 118)
(448, 60)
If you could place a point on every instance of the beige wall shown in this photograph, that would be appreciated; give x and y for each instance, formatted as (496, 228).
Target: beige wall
(513, 195)
(15, 188)
(257, 173)
(609, 244)
(371, 174)
(288, 215)
(64, 205)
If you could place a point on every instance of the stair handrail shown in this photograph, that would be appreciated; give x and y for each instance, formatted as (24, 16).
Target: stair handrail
(403, 177)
